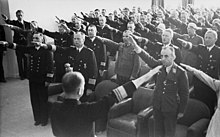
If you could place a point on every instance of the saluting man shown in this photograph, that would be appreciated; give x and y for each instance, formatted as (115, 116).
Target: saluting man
(40, 74)
(208, 62)
(171, 92)
(82, 59)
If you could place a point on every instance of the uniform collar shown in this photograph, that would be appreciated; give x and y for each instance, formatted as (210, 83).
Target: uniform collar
(166, 45)
(92, 39)
(37, 48)
(72, 101)
(79, 49)
(210, 48)
(172, 74)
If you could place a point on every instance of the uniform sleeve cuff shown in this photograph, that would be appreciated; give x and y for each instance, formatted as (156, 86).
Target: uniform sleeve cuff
(124, 91)
(92, 81)
(50, 75)
(103, 64)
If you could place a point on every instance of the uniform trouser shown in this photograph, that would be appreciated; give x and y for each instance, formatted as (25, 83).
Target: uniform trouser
(2, 76)
(22, 64)
(165, 123)
(39, 98)
(60, 71)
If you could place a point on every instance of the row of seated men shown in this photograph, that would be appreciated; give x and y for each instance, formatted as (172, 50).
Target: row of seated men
(128, 63)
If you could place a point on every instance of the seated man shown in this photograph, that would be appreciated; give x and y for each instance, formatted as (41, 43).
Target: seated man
(72, 118)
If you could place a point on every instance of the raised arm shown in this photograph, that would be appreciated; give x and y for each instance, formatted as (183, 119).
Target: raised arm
(213, 83)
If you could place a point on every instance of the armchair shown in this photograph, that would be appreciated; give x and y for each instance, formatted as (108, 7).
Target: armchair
(102, 89)
(130, 117)
(194, 122)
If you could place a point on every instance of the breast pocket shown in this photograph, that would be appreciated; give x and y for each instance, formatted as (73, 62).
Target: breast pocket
(171, 86)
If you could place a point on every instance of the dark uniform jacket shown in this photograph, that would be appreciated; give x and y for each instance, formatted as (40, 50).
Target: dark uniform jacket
(20, 38)
(105, 32)
(100, 51)
(84, 62)
(172, 89)
(63, 40)
(74, 119)
(208, 62)
(40, 63)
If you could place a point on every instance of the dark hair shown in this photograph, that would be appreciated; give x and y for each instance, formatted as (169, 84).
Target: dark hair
(71, 81)
(19, 11)
(97, 10)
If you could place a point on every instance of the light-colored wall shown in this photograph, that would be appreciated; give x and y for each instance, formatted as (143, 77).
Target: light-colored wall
(44, 12)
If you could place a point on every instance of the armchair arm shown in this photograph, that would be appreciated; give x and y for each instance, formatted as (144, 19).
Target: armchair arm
(120, 108)
(198, 128)
(142, 122)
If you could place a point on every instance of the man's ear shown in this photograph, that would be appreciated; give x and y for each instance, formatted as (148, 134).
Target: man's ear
(80, 91)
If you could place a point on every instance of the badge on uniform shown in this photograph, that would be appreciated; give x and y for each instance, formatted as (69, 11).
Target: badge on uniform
(85, 66)
(174, 70)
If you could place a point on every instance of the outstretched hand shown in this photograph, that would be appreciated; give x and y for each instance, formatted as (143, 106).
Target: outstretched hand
(4, 17)
(187, 67)
(133, 43)
(3, 43)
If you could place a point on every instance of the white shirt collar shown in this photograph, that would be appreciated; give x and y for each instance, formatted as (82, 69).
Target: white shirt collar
(37, 48)
(80, 49)
(166, 45)
(210, 48)
(92, 39)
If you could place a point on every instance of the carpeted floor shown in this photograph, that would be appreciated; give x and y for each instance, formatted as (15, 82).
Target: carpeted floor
(16, 118)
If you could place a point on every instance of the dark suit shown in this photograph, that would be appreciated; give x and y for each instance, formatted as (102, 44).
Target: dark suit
(40, 71)
(170, 96)
(20, 38)
(71, 118)
(2, 49)
(84, 62)
(63, 40)
(208, 62)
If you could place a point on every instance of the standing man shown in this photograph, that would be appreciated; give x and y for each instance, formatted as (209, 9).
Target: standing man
(62, 39)
(154, 49)
(82, 59)
(20, 39)
(208, 62)
(2, 53)
(99, 49)
(40, 75)
(171, 92)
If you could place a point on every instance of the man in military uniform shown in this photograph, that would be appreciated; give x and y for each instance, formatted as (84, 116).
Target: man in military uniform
(99, 49)
(82, 59)
(73, 118)
(171, 90)
(62, 39)
(20, 38)
(40, 74)
(208, 62)
(154, 49)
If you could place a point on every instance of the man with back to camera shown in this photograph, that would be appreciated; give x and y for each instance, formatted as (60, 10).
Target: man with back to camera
(72, 118)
